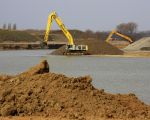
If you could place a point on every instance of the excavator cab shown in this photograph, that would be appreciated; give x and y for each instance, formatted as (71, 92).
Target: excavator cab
(76, 47)
(70, 46)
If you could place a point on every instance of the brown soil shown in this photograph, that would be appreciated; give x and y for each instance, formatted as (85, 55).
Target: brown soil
(119, 43)
(96, 47)
(37, 92)
(59, 118)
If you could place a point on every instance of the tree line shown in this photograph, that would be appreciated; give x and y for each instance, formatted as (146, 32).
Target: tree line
(130, 29)
(9, 26)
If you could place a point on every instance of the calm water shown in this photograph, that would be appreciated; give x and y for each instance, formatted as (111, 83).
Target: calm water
(115, 75)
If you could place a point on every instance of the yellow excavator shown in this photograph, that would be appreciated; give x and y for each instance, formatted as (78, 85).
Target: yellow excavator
(119, 34)
(70, 46)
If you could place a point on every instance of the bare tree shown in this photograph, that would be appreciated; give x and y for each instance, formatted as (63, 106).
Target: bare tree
(4, 26)
(14, 27)
(98, 35)
(132, 27)
(89, 34)
(121, 27)
(9, 26)
(127, 28)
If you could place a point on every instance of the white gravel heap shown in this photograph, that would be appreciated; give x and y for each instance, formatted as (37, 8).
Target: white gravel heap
(138, 45)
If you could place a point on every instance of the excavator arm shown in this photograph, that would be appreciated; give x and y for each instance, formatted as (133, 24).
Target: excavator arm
(53, 16)
(48, 27)
(71, 45)
(119, 34)
(110, 35)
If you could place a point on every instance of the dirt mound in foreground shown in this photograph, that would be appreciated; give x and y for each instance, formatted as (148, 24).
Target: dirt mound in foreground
(96, 47)
(49, 94)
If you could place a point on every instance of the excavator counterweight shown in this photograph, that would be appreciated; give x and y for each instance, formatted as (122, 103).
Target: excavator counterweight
(70, 46)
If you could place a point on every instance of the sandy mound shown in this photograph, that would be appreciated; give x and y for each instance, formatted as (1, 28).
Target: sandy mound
(96, 47)
(142, 44)
(41, 68)
(50, 94)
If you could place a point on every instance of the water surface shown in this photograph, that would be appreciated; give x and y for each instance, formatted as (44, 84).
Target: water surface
(115, 75)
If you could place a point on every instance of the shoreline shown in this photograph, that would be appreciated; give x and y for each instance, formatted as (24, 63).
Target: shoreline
(127, 54)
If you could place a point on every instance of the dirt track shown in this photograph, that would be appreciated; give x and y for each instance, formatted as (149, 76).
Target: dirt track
(37, 92)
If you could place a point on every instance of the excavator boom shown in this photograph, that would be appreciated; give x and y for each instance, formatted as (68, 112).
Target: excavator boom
(71, 46)
(119, 34)
(53, 16)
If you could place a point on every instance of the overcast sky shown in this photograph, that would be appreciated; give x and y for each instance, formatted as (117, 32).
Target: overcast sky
(97, 15)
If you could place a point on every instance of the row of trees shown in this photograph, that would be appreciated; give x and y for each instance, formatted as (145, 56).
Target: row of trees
(129, 29)
(9, 27)
(125, 28)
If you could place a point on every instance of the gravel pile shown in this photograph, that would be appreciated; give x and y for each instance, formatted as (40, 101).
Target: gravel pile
(142, 44)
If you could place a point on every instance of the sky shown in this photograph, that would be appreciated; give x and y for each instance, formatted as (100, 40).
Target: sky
(96, 15)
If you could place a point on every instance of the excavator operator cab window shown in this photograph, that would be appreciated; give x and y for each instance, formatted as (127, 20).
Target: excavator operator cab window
(79, 47)
(84, 47)
(69, 46)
